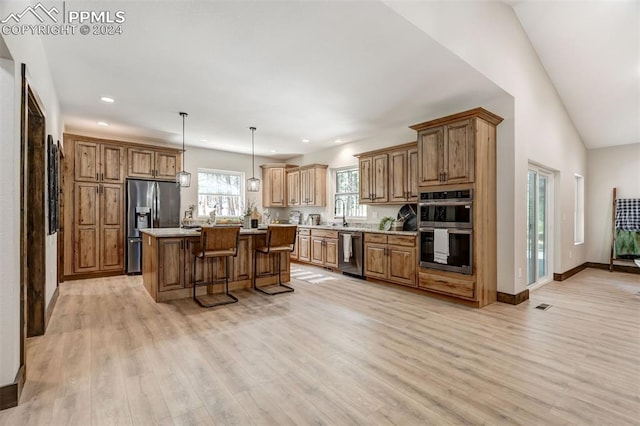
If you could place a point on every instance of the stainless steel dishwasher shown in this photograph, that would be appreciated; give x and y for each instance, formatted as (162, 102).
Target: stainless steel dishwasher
(352, 264)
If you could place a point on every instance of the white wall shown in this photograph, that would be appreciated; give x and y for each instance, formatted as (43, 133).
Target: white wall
(196, 158)
(27, 50)
(342, 155)
(489, 37)
(608, 168)
(9, 230)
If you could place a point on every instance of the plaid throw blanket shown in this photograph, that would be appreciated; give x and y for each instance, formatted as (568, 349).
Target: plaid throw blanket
(628, 214)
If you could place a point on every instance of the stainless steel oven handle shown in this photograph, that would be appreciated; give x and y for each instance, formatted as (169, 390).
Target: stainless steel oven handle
(451, 230)
(446, 203)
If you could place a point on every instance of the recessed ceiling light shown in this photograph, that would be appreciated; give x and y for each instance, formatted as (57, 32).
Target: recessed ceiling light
(272, 150)
(305, 140)
(203, 140)
(102, 123)
(107, 99)
(338, 141)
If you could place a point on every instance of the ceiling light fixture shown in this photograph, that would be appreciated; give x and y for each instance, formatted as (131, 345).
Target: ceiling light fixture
(107, 99)
(102, 123)
(183, 178)
(305, 140)
(338, 141)
(253, 184)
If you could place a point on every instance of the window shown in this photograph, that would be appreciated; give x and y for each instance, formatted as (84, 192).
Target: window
(220, 190)
(578, 222)
(346, 198)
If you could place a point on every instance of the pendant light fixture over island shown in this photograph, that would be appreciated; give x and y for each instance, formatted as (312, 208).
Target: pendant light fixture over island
(253, 184)
(183, 178)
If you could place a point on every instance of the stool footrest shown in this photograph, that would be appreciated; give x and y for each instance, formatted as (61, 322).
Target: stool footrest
(281, 288)
(232, 298)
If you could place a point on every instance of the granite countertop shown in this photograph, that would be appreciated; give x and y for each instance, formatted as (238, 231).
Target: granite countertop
(360, 229)
(182, 232)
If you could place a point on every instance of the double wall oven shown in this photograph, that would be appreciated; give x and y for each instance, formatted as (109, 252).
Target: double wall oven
(448, 213)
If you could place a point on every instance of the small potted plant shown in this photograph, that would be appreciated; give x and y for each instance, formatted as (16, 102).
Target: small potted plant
(248, 211)
(386, 223)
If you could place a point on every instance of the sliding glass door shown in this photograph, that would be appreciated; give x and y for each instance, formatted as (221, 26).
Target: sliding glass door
(539, 221)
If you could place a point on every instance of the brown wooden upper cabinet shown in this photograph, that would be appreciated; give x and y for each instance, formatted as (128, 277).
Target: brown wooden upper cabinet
(403, 175)
(293, 187)
(373, 179)
(307, 185)
(98, 162)
(274, 184)
(153, 164)
(447, 154)
(389, 175)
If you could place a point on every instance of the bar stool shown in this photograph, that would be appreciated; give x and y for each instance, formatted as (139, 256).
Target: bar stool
(215, 242)
(280, 239)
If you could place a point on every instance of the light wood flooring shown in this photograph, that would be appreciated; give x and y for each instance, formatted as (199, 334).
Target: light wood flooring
(340, 352)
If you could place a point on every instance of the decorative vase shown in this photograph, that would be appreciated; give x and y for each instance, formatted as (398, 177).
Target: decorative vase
(247, 222)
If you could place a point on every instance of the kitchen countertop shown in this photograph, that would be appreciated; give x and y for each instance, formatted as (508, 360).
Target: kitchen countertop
(359, 229)
(182, 232)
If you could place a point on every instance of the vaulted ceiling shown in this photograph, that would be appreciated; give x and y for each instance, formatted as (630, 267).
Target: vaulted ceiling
(325, 72)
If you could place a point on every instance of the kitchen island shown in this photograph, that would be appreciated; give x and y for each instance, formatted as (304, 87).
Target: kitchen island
(167, 263)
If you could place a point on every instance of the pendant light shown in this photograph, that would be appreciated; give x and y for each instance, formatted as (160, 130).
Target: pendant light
(253, 184)
(183, 178)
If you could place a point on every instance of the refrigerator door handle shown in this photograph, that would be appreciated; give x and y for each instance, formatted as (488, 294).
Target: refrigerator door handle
(155, 205)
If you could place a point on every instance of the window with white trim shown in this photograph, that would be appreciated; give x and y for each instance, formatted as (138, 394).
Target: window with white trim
(578, 222)
(346, 195)
(221, 190)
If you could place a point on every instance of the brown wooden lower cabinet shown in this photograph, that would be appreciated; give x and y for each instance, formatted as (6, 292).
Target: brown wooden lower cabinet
(98, 227)
(171, 259)
(304, 245)
(324, 248)
(167, 266)
(448, 283)
(242, 263)
(390, 258)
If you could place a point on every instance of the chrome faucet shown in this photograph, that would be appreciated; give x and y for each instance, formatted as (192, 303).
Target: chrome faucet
(344, 212)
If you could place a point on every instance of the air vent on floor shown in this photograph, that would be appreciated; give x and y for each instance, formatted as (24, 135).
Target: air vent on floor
(543, 306)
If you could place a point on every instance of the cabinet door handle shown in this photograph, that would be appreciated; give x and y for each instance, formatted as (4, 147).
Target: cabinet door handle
(101, 176)
(97, 176)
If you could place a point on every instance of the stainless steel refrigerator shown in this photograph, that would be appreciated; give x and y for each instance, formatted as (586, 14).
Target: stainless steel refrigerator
(150, 204)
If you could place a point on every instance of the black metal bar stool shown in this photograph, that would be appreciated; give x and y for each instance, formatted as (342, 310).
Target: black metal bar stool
(215, 242)
(280, 239)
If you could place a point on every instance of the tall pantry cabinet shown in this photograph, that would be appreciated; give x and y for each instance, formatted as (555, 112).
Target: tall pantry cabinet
(98, 197)
(95, 172)
(459, 152)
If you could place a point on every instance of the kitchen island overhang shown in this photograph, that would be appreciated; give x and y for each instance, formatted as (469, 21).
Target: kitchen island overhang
(167, 263)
